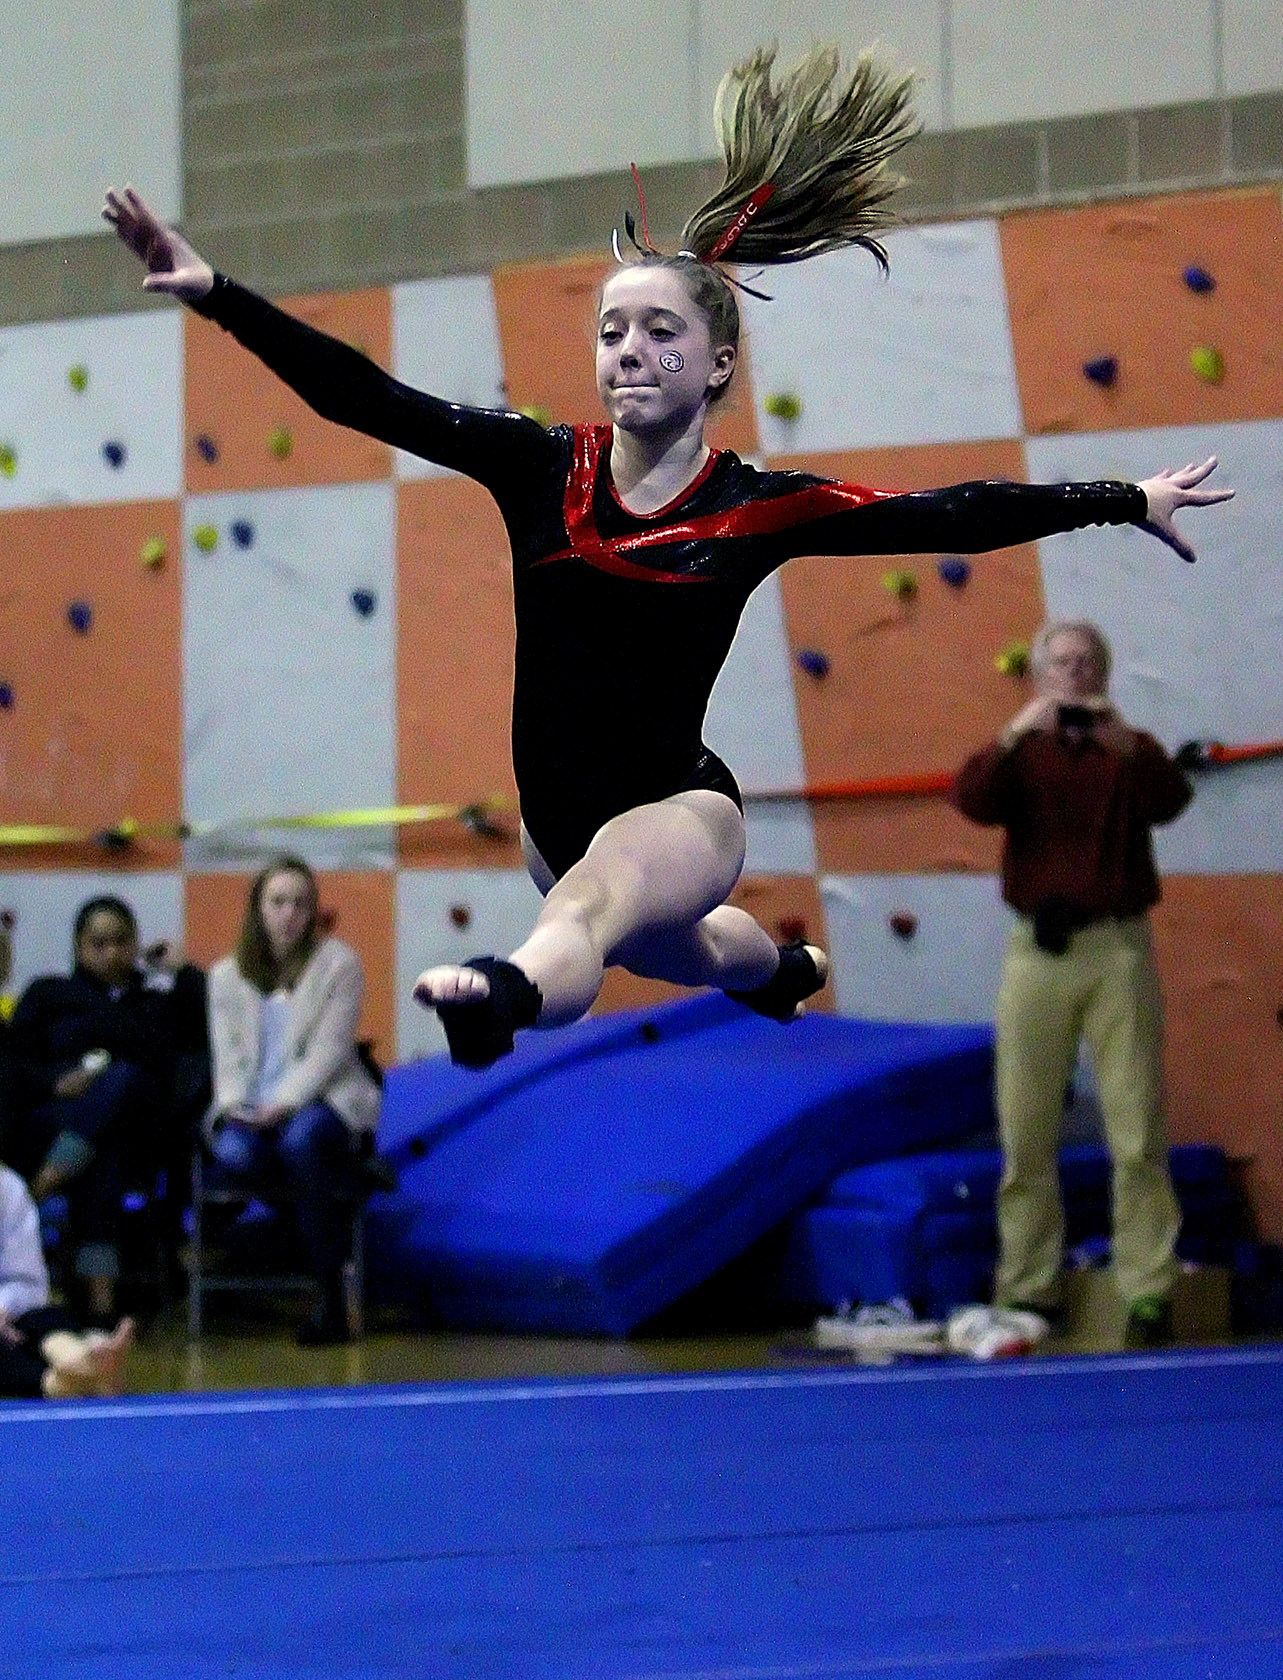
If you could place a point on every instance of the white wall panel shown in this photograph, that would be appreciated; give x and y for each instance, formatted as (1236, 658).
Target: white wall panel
(502, 905)
(445, 340)
(1252, 32)
(1015, 63)
(557, 88)
(133, 396)
(948, 970)
(1197, 649)
(752, 724)
(289, 692)
(45, 907)
(924, 357)
(89, 98)
(908, 33)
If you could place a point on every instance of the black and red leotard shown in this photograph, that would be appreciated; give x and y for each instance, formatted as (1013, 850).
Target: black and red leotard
(624, 620)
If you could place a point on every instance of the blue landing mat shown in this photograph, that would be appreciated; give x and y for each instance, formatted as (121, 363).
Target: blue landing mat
(1110, 1519)
(600, 1173)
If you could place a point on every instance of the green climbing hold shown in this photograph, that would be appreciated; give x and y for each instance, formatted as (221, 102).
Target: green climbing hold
(782, 405)
(280, 441)
(152, 553)
(78, 377)
(540, 416)
(902, 584)
(1208, 363)
(1013, 661)
(8, 460)
(206, 538)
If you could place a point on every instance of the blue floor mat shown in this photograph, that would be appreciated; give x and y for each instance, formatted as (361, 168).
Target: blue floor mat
(600, 1173)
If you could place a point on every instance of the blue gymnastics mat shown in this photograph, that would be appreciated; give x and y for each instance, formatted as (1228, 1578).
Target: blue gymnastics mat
(1116, 1519)
(598, 1174)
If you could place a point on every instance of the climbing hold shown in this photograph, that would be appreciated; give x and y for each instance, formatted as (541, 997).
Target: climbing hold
(813, 662)
(791, 929)
(365, 601)
(280, 441)
(78, 377)
(80, 615)
(152, 553)
(540, 416)
(954, 570)
(1208, 363)
(901, 584)
(327, 919)
(460, 915)
(206, 448)
(8, 460)
(6, 697)
(119, 838)
(206, 538)
(782, 405)
(1198, 279)
(477, 820)
(114, 453)
(1013, 661)
(8, 920)
(903, 924)
(1101, 370)
(242, 533)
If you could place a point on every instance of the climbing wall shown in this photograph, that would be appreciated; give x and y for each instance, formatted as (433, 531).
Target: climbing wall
(218, 607)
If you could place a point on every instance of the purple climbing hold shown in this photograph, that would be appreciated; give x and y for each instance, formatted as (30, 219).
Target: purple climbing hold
(6, 697)
(954, 570)
(114, 454)
(242, 533)
(80, 615)
(813, 662)
(206, 448)
(1198, 279)
(1101, 370)
(365, 601)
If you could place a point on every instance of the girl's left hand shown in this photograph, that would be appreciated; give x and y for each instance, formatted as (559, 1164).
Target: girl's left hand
(1169, 490)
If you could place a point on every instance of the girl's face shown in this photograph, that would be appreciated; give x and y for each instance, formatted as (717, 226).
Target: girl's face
(656, 362)
(108, 948)
(286, 906)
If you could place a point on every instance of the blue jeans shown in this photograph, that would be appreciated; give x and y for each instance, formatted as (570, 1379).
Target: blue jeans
(313, 1158)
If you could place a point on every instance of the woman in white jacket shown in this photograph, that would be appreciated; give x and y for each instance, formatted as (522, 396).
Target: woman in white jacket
(294, 1107)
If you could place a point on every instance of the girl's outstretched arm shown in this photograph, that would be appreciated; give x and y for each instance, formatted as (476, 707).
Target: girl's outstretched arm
(335, 380)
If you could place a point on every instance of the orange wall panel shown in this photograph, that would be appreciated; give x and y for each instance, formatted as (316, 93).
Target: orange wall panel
(1107, 281)
(912, 685)
(237, 402)
(547, 331)
(1220, 952)
(454, 667)
(361, 905)
(95, 731)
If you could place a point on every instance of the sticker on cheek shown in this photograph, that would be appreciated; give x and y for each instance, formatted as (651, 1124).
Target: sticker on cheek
(671, 361)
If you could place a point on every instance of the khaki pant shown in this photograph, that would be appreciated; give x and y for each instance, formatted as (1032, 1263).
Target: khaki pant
(1103, 989)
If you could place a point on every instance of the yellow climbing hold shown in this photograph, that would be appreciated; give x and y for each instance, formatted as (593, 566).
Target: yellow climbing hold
(782, 405)
(152, 553)
(206, 538)
(1208, 363)
(1013, 661)
(280, 440)
(902, 584)
(8, 460)
(78, 377)
(540, 416)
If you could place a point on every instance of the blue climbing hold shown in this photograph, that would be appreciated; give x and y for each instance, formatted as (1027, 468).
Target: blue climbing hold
(242, 533)
(954, 570)
(206, 448)
(365, 601)
(6, 697)
(813, 662)
(80, 615)
(114, 454)
(1198, 279)
(1101, 370)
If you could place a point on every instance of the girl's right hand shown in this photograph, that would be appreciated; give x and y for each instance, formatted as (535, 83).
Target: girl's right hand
(172, 265)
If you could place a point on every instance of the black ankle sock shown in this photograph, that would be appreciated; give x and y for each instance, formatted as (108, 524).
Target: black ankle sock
(795, 979)
(480, 1031)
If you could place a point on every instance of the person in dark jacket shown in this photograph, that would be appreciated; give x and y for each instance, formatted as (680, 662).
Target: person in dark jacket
(1077, 792)
(109, 1072)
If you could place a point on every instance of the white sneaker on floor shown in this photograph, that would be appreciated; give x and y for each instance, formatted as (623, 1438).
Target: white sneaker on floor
(890, 1328)
(995, 1332)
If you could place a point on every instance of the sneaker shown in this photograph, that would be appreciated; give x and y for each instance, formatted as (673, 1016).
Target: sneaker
(995, 1332)
(1149, 1324)
(889, 1328)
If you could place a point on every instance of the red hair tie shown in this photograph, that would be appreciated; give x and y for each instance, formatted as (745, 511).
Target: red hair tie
(741, 221)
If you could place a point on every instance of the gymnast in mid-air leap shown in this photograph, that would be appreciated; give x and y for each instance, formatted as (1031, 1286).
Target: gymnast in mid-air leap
(635, 547)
